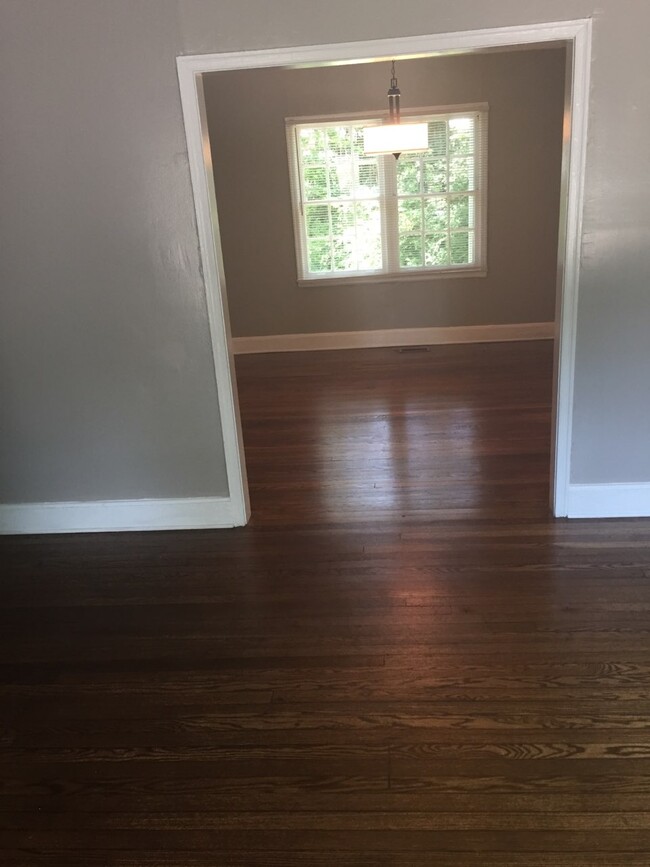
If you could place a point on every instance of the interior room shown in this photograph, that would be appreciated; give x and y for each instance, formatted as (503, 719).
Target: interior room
(370, 409)
(522, 95)
(324, 475)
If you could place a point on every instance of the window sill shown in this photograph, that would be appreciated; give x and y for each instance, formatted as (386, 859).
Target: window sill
(447, 273)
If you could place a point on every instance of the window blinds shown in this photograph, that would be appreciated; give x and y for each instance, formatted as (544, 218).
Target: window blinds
(358, 215)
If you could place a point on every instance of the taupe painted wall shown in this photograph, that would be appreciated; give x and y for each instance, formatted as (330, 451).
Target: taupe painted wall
(107, 383)
(246, 113)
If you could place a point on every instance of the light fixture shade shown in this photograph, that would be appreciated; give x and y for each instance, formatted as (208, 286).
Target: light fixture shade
(396, 138)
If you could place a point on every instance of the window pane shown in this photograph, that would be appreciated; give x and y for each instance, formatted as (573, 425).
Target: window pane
(367, 179)
(343, 255)
(438, 138)
(357, 141)
(461, 173)
(435, 215)
(340, 176)
(410, 215)
(343, 218)
(435, 176)
(408, 176)
(436, 249)
(460, 248)
(461, 136)
(461, 212)
(410, 251)
(317, 219)
(315, 183)
(339, 141)
(343, 252)
(312, 146)
(320, 256)
(368, 234)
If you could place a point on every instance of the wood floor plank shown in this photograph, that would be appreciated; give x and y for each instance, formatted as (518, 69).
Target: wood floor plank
(324, 858)
(401, 660)
(314, 840)
(322, 820)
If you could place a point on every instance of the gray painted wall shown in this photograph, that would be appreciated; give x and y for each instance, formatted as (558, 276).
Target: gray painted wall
(246, 113)
(107, 383)
(108, 390)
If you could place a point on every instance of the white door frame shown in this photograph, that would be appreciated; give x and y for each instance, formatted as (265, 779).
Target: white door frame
(577, 34)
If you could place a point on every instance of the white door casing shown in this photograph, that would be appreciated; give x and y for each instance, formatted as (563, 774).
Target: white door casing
(576, 35)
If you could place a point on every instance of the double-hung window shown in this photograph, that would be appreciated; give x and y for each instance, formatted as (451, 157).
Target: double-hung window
(358, 216)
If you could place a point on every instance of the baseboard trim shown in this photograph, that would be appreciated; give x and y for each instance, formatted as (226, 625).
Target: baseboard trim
(114, 515)
(393, 337)
(609, 501)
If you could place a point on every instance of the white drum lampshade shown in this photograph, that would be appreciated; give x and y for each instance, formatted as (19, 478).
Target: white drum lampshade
(396, 138)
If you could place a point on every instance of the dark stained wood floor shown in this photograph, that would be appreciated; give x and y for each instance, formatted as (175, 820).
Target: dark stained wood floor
(401, 661)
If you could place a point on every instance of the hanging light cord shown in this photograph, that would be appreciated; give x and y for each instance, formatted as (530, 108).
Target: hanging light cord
(393, 97)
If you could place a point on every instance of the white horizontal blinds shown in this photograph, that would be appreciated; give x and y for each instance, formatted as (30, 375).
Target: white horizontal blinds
(340, 191)
(438, 206)
(357, 214)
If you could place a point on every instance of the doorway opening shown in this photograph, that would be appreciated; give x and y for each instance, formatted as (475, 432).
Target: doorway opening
(570, 38)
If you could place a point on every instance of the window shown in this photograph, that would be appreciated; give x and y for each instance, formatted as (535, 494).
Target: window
(358, 216)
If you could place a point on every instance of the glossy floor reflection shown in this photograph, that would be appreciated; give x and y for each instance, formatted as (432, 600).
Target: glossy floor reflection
(444, 432)
(402, 661)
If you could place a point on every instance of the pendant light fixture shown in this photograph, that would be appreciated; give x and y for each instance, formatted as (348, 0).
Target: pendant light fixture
(395, 137)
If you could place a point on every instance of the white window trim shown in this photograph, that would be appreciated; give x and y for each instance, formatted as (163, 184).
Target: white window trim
(446, 272)
(476, 269)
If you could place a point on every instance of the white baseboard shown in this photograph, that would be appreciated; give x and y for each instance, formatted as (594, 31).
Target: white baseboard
(609, 501)
(393, 337)
(114, 515)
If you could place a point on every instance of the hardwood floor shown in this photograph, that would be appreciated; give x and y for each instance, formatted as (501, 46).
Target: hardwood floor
(402, 660)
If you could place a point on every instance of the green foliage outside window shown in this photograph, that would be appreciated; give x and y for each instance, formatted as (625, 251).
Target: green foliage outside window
(434, 197)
